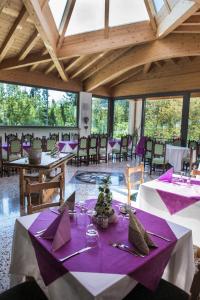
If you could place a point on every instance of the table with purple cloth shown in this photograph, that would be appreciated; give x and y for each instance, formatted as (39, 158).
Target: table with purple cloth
(26, 147)
(177, 201)
(103, 272)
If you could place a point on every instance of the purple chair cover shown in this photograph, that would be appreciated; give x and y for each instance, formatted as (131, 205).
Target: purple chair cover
(106, 259)
(140, 147)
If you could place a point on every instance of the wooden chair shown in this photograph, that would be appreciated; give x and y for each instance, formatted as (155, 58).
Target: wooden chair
(103, 148)
(158, 157)
(82, 151)
(11, 136)
(192, 157)
(65, 137)
(54, 136)
(36, 143)
(177, 142)
(132, 194)
(75, 136)
(166, 291)
(122, 153)
(148, 154)
(26, 138)
(49, 144)
(39, 188)
(14, 151)
(92, 149)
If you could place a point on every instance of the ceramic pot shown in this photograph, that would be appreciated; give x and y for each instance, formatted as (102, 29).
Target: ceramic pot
(35, 156)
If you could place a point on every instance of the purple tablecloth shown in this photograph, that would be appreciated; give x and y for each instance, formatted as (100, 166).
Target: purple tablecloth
(26, 146)
(104, 259)
(71, 144)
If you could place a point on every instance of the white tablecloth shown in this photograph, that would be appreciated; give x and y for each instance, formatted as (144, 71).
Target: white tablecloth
(175, 155)
(86, 286)
(150, 201)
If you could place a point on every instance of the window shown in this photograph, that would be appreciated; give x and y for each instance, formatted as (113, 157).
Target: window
(20, 105)
(163, 117)
(194, 119)
(99, 115)
(121, 118)
(158, 4)
(57, 9)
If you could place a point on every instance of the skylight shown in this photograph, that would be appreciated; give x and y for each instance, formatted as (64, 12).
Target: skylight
(158, 4)
(57, 9)
(88, 15)
(127, 11)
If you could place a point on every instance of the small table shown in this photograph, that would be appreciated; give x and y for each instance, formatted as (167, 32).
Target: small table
(47, 164)
(175, 155)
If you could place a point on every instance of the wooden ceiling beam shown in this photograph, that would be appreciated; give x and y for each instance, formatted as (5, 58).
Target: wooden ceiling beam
(151, 16)
(125, 76)
(193, 20)
(65, 20)
(95, 42)
(147, 68)
(9, 40)
(45, 25)
(50, 68)
(106, 22)
(180, 13)
(187, 29)
(171, 47)
(3, 4)
(105, 61)
(31, 59)
(29, 45)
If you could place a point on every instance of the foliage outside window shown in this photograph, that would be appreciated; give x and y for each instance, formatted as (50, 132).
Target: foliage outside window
(121, 118)
(163, 117)
(194, 119)
(99, 115)
(28, 106)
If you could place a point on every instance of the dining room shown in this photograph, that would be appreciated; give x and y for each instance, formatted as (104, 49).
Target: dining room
(99, 150)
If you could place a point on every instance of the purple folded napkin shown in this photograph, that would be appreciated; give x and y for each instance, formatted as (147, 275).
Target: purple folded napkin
(69, 203)
(167, 176)
(138, 236)
(59, 231)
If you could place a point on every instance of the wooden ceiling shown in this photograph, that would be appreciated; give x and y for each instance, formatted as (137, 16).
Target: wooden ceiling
(159, 55)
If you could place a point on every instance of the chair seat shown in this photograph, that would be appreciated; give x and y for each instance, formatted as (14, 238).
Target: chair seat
(102, 151)
(158, 160)
(82, 153)
(92, 152)
(165, 291)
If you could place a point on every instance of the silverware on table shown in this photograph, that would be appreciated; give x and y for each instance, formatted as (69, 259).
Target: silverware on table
(75, 253)
(54, 211)
(126, 248)
(159, 236)
(40, 231)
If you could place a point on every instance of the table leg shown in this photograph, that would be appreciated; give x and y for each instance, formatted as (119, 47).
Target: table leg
(63, 169)
(21, 185)
(41, 179)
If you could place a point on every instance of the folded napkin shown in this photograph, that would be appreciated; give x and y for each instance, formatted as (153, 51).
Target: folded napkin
(69, 202)
(138, 236)
(59, 230)
(167, 176)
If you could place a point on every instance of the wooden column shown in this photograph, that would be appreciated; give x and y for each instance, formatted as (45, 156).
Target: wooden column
(185, 117)
(110, 116)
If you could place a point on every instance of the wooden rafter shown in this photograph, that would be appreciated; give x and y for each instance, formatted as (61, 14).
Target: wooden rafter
(75, 64)
(2, 4)
(170, 47)
(187, 29)
(12, 33)
(151, 16)
(50, 68)
(180, 12)
(105, 61)
(125, 76)
(147, 67)
(65, 20)
(29, 45)
(46, 27)
(106, 23)
(35, 65)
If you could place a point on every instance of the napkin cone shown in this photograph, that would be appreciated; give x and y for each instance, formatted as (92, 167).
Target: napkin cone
(69, 203)
(138, 236)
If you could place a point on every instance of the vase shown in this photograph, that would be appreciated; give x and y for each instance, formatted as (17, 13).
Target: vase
(113, 219)
(35, 156)
(102, 221)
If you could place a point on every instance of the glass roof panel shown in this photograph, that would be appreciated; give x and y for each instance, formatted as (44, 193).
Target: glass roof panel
(57, 9)
(88, 15)
(127, 11)
(158, 4)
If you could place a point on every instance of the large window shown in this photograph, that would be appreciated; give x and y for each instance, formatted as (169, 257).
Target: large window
(163, 117)
(158, 4)
(194, 119)
(99, 115)
(21, 106)
(121, 117)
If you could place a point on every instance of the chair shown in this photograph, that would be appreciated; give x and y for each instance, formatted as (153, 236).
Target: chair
(123, 151)
(166, 291)
(39, 188)
(158, 157)
(148, 152)
(92, 149)
(130, 146)
(27, 137)
(36, 143)
(65, 137)
(177, 142)
(75, 136)
(11, 136)
(54, 136)
(82, 151)
(14, 151)
(103, 148)
(28, 290)
(192, 157)
(134, 144)
(132, 194)
(49, 144)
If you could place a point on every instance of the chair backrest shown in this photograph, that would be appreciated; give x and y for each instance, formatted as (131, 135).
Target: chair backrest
(133, 170)
(36, 143)
(134, 139)
(92, 142)
(103, 141)
(124, 143)
(82, 143)
(36, 187)
(193, 157)
(11, 136)
(75, 136)
(49, 144)
(192, 144)
(65, 137)
(159, 149)
(177, 142)
(15, 146)
(27, 137)
(54, 136)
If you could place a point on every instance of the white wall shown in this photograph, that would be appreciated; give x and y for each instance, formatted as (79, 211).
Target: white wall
(85, 110)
